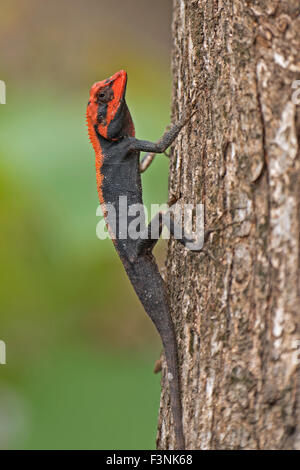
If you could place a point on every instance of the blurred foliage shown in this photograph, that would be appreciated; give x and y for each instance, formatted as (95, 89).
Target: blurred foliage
(80, 349)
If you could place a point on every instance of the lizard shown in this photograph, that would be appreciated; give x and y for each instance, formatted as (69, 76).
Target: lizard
(118, 173)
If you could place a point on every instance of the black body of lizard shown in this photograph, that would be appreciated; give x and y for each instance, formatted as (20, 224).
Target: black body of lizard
(118, 170)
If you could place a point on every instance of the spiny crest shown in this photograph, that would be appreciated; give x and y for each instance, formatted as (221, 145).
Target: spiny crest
(91, 134)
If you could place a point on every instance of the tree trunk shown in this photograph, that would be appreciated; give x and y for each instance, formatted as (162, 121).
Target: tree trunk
(236, 307)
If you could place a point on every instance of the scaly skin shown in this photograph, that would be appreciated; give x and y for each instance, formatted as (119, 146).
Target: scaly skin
(111, 132)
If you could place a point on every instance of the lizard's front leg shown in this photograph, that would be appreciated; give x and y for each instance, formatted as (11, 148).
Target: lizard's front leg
(148, 159)
(161, 145)
(164, 142)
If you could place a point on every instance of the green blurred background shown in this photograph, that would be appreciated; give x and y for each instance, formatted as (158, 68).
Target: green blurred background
(80, 349)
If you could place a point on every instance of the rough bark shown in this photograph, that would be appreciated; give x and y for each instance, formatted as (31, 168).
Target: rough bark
(237, 321)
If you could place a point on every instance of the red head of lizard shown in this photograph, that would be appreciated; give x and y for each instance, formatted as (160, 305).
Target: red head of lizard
(108, 117)
(107, 112)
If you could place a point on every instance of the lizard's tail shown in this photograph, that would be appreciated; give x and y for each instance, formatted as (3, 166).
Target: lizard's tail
(150, 288)
(170, 348)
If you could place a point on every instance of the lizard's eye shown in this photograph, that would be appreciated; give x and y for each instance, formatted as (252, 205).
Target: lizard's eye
(101, 97)
(105, 95)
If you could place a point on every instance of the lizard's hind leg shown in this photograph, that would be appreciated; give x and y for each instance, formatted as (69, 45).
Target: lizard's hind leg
(149, 239)
(153, 231)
